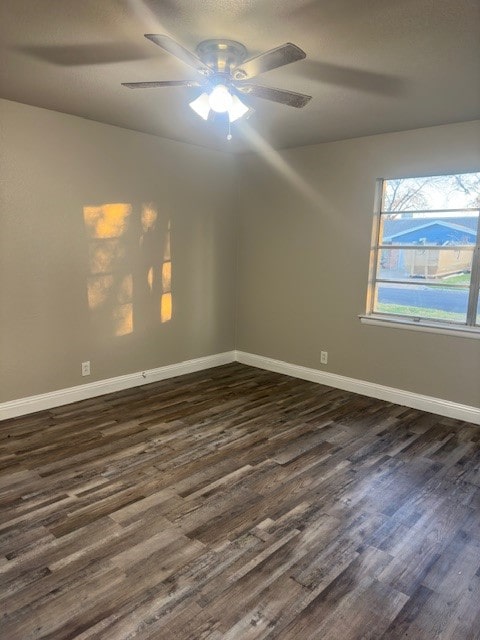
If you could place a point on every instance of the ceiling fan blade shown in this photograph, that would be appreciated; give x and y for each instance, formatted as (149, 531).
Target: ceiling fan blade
(175, 49)
(282, 96)
(285, 54)
(160, 83)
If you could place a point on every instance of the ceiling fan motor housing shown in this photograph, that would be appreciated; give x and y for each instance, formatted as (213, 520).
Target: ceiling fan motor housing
(221, 55)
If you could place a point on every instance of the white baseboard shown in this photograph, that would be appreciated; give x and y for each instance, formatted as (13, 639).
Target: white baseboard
(371, 389)
(22, 406)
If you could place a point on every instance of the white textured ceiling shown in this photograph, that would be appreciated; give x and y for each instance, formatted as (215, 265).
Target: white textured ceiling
(372, 65)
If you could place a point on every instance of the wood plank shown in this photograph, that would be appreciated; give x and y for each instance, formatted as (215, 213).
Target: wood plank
(239, 504)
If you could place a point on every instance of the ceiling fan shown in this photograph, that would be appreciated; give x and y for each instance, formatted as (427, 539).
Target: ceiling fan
(225, 74)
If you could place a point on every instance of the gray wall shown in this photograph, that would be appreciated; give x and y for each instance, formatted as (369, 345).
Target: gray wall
(304, 242)
(80, 280)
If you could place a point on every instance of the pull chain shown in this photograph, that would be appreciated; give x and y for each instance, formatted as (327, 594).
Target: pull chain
(229, 134)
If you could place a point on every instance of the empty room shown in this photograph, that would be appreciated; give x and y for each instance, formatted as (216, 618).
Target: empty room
(240, 320)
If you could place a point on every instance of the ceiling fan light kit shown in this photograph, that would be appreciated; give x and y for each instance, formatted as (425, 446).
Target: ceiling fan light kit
(224, 70)
(203, 105)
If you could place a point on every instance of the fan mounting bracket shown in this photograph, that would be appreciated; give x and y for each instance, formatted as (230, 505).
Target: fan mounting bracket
(221, 55)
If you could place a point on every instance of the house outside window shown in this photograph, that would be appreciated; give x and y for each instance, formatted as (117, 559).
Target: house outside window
(425, 262)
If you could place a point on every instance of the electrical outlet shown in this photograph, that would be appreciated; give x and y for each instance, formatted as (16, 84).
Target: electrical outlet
(86, 368)
(324, 357)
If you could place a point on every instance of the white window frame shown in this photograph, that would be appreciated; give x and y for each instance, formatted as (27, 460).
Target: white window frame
(470, 328)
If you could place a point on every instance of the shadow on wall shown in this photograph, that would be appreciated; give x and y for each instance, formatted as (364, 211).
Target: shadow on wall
(129, 266)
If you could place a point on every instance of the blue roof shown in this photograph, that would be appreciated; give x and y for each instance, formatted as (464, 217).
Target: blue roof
(439, 230)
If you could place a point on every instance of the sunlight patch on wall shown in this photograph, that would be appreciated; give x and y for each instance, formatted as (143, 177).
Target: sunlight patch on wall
(150, 278)
(97, 290)
(125, 290)
(158, 274)
(166, 299)
(123, 312)
(128, 249)
(123, 319)
(166, 307)
(167, 276)
(105, 255)
(109, 284)
(107, 220)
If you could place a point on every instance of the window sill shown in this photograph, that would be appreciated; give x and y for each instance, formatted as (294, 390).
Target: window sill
(425, 326)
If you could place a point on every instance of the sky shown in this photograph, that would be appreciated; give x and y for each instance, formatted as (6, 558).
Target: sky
(442, 192)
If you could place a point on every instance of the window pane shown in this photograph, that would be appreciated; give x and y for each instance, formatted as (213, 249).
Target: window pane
(432, 228)
(422, 301)
(442, 266)
(431, 193)
(427, 249)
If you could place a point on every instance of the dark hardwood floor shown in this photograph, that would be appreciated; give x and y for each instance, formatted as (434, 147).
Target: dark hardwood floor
(238, 504)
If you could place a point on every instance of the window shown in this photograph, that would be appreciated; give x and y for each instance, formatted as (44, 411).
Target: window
(425, 263)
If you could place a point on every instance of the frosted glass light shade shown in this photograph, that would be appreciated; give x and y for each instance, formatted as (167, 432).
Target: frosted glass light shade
(220, 99)
(237, 109)
(201, 105)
